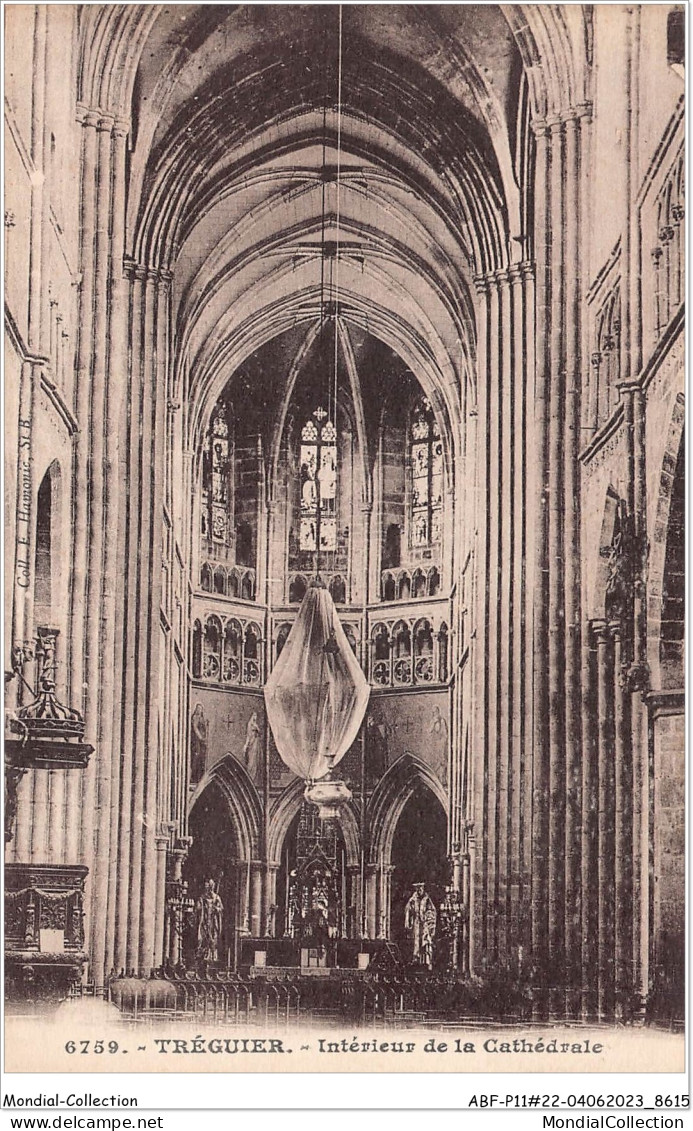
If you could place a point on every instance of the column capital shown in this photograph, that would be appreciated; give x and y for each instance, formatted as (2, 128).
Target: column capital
(615, 628)
(519, 272)
(87, 116)
(629, 387)
(121, 127)
(555, 124)
(492, 279)
(600, 628)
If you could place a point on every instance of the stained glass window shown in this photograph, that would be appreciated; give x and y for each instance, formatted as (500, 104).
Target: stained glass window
(215, 490)
(318, 464)
(426, 455)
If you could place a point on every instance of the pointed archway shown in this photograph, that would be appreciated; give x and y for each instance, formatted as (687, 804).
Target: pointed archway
(224, 823)
(409, 843)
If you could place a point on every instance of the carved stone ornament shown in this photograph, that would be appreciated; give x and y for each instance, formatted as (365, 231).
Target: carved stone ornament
(49, 733)
(635, 677)
(618, 597)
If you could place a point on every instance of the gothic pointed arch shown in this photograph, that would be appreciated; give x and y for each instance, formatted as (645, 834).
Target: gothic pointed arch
(390, 797)
(665, 578)
(285, 810)
(242, 798)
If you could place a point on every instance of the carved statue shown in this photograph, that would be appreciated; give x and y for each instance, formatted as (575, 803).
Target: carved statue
(293, 912)
(199, 738)
(420, 919)
(209, 916)
(252, 751)
(450, 920)
(619, 585)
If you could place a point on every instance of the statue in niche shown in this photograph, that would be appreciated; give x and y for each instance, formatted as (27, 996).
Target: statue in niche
(209, 917)
(199, 741)
(420, 918)
(252, 750)
(293, 909)
(619, 584)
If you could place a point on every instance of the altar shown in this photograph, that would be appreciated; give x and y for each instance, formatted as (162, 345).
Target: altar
(273, 958)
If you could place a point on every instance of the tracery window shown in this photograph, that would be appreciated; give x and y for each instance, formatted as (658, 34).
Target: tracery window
(426, 461)
(227, 651)
(318, 464)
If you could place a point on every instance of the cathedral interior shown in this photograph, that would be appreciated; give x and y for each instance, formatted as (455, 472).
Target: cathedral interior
(384, 301)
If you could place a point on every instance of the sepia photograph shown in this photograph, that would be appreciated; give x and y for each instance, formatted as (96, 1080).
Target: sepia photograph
(344, 570)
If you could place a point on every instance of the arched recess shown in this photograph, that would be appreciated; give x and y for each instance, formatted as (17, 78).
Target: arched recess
(671, 489)
(47, 587)
(242, 799)
(389, 799)
(600, 558)
(285, 809)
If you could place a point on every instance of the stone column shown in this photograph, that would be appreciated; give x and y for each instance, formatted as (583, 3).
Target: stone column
(557, 668)
(110, 313)
(128, 686)
(162, 843)
(255, 918)
(158, 290)
(384, 894)
(370, 901)
(353, 900)
(623, 833)
(541, 771)
(572, 559)
(589, 909)
(605, 871)
(271, 909)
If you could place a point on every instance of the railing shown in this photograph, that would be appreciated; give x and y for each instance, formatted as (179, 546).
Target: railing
(410, 583)
(234, 581)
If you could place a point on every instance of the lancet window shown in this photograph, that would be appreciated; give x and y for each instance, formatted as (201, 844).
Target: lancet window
(426, 463)
(318, 470)
(217, 501)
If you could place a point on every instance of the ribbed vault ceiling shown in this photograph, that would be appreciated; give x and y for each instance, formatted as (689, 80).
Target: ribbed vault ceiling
(232, 173)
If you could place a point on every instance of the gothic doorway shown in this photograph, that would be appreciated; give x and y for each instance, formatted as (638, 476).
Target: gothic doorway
(213, 854)
(419, 854)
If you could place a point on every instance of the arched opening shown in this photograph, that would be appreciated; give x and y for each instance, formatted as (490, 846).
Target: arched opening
(388, 587)
(311, 891)
(220, 580)
(282, 637)
(671, 647)
(244, 544)
(196, 648)
(213, 855)
(247, 587)
(392, 547)
(338, 590)
(297, 590)
(47, 553)
(418, 856)
(206, 583)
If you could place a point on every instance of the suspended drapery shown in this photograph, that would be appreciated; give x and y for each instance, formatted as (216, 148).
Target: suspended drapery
(316, 696)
